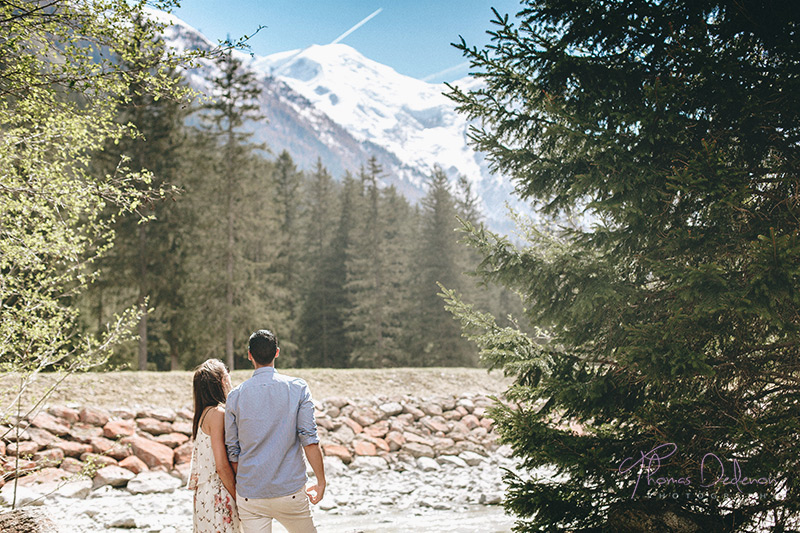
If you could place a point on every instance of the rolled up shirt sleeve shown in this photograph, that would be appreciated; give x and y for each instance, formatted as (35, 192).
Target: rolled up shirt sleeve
(231, 429)
(306, 423)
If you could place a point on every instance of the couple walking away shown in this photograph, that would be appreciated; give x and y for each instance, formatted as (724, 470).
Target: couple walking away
(247, 464)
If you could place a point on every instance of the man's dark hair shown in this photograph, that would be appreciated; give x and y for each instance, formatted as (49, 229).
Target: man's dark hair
(263, 346)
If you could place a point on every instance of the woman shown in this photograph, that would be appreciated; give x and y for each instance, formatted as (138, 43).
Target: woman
(212, 477)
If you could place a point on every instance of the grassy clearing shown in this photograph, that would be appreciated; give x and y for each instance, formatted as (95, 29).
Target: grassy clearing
(134, 390)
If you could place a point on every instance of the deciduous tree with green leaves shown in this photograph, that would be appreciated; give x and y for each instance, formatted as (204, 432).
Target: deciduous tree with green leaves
(671, 315)
(60, 84)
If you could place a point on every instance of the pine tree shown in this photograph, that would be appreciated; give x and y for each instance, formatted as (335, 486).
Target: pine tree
(320, 322)
(438, 262)
(142, 257)
(285, 248)
(235, 94)
(670, 316)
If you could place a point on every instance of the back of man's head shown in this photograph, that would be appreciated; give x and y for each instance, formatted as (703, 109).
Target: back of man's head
(263, 346)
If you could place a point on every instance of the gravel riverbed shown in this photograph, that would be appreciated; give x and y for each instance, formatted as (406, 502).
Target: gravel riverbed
(365, 496)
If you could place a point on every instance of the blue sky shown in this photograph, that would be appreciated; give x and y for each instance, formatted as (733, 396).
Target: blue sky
(411, 36)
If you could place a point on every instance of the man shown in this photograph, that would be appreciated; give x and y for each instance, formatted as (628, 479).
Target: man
(269, 419)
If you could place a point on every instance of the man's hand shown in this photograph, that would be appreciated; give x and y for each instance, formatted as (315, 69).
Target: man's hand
(315, 492)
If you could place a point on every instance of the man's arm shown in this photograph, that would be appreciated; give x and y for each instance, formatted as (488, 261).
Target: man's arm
(314, 456)
(232, 432)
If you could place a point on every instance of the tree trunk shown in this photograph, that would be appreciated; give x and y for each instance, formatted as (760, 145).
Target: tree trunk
(230, 256)
(142, 298)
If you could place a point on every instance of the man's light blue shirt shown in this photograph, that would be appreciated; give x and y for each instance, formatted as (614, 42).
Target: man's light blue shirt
(268, 420)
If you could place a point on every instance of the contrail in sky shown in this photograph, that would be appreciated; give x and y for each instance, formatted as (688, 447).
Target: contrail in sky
(354, 28)
(339, 38)
(435, 75)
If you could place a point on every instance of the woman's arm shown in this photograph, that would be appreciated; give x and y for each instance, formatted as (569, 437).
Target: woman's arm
(215, 422)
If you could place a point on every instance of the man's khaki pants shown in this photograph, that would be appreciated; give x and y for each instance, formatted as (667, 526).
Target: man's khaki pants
(292, 511)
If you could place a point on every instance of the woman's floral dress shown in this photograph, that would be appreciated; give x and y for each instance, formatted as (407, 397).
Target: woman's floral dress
(214, 508)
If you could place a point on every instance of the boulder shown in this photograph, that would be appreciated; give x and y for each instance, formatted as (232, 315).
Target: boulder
(182, 426)
(352, 424)
(390, 409)
(71, 465)
(79, 488)
(161, 413)
(471, 421)
(22, 449)
(453, 460)
(153, 453)
(418, 450)
(115, 429)
(48, 422)
(435, 424)
(153, 482)
(51, 457)
(173, 440)
(414, 411)
(112, 475)
(74, 449)
(395, 440)
(471, 458)
(431, 409)
(94, 416)
(101, 444)
(362, 447)
(377, 430)
(366, 417)
(154, 426)
(335, 450)
(97, 460)
(42, 437)
(183, 453)
(68, 414)
(338, 401)
(427, 464)
(134, 464)
(84, 433)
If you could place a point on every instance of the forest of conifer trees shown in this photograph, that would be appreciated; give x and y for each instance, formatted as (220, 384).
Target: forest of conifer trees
(344, 269)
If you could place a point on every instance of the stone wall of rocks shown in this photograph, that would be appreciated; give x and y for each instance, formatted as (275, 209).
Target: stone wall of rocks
(115, 446)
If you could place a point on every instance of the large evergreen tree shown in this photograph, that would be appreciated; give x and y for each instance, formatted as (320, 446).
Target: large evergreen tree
(671, 317)
(235, 93)
(437, 261)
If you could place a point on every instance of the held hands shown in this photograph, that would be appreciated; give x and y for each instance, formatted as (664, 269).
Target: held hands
(315, 492)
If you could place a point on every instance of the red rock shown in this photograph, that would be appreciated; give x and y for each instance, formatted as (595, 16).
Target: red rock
(93, 416)
(335, 450)
(395, 440)
(471, 421)
(68, 414)
(120, 451)
(22, 449)
(50, 423)
(480, 412)
(173, 440)
(162, 414)
(381, 445)
(185, 413)
(462, 411)
(352, 424)
(134, 464)
(377, 430)
(414, 412)
(154, 426)
(42, 437)
(71, 465)
(84, 433)
(45, 476)
(182, 426)
(435, 424)
(116, 429)
(2, 448)
(97, 460)
(11, 467)
(413, 437)
(487, 423)
(74, 449)
(365, 417)
(154, 454)
(183, 453)
(362, 447)
(101, 444)
(51, 457)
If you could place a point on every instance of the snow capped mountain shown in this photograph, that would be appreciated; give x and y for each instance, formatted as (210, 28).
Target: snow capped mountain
(333, 103)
